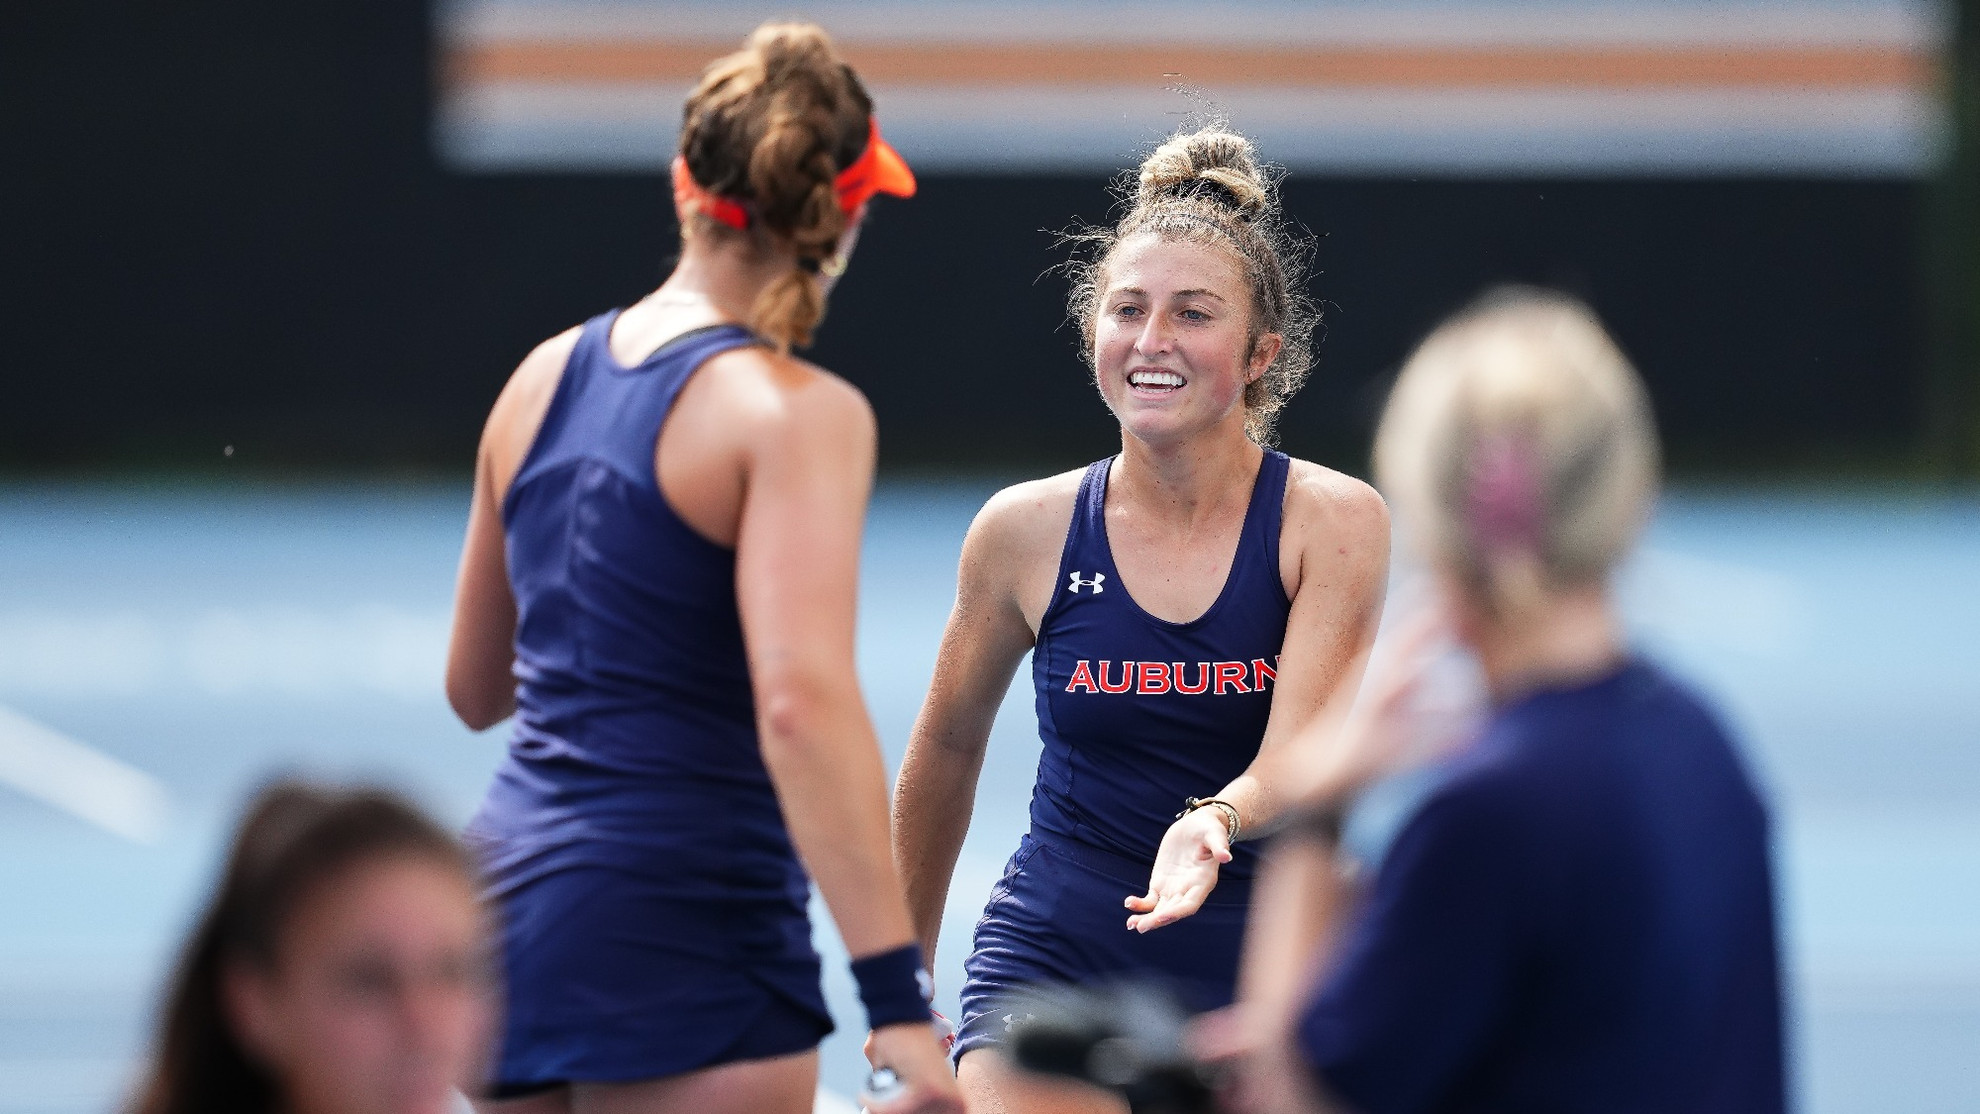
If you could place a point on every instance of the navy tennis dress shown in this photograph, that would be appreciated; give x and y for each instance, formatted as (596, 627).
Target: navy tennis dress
(1136, 714)
(653, 908)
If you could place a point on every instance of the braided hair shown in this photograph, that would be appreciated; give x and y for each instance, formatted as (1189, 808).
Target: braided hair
(772, 125)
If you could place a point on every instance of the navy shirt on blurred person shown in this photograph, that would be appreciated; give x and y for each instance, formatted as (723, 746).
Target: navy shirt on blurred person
(1579, 918)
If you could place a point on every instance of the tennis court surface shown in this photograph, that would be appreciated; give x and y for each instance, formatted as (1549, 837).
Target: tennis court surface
(164, 648)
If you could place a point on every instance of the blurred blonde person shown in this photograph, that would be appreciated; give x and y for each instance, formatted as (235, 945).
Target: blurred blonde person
(1579, 916)
(340, 968)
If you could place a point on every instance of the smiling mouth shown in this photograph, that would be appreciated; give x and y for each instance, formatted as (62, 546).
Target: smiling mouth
(1149, 379)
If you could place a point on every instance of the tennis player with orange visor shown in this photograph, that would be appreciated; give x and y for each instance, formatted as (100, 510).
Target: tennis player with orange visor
(658, 584)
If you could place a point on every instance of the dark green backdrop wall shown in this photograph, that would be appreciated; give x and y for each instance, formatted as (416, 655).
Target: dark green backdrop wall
(225, 226)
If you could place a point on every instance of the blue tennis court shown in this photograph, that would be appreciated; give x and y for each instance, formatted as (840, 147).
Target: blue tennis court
(169, 646)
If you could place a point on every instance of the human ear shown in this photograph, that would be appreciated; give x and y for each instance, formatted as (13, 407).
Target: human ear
(1263, 351)
(682, 199)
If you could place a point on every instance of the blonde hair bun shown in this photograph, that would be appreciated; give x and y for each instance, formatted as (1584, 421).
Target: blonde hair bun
(1214, 164)
(1209, 187)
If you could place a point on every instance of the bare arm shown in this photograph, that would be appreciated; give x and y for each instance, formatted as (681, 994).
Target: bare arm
(986, 637)
(804, 443)
(809, 468)
(1342, 530)
(481, 650)
(1301, 899)
(1336, 538)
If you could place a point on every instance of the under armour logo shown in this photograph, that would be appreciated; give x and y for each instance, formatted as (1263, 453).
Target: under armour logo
(1012, 1021)
(1097, 583)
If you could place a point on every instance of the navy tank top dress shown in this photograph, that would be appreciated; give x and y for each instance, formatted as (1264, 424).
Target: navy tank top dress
(653, 907)
(1136, 714)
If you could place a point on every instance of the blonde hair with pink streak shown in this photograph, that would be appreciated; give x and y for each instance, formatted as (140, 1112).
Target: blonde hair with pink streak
(1518, 448)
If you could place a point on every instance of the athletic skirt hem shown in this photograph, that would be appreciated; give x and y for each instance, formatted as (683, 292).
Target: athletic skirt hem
(611, 979)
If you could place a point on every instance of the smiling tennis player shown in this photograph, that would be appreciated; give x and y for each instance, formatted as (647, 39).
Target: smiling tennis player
(1191, 604)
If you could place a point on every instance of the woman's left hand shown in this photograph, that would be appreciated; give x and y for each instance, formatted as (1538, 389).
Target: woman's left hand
(1185, 870)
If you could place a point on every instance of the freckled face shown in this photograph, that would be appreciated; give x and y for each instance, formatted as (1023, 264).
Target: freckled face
(380, 1001)
(1171, 338)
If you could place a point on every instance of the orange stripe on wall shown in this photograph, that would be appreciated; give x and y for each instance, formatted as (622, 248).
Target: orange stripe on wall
(977, 65)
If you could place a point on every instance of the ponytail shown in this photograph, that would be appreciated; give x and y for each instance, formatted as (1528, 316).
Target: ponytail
(773, 125)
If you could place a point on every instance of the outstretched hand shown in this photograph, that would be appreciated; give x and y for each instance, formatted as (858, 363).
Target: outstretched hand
(1185, 870)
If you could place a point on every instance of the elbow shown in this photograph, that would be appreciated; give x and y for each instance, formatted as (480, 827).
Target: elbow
(792, 714)
(480, 707)
(477, 719)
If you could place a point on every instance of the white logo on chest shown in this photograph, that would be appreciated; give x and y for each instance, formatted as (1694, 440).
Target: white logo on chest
(1098, 583)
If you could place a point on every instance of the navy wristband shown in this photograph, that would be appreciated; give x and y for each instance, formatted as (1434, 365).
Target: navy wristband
(893, 986)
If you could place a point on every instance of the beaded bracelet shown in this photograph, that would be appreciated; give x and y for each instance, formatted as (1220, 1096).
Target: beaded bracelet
(1232, 825)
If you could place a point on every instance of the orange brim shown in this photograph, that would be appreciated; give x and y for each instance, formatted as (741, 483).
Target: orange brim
(890, 171)
(880, 169)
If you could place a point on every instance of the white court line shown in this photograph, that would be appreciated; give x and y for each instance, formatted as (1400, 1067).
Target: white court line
(80, 780)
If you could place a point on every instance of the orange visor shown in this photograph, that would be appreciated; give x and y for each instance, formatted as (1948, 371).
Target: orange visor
(721, 210)
(879, 169)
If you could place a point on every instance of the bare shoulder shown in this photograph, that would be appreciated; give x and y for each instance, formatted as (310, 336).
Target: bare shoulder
(779, 396)
(535, 379)
(1335, 526)
(519, 409)
(1319, 495)
(549, 357)
(1012, 551)
(1026, 520)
